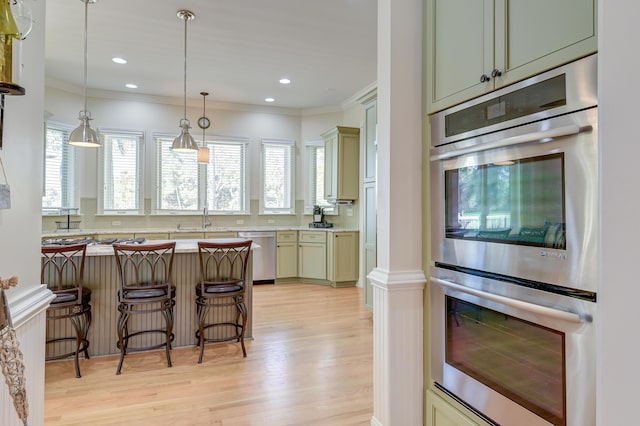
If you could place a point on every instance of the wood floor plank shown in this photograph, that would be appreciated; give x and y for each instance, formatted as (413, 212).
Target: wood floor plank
(310, 363)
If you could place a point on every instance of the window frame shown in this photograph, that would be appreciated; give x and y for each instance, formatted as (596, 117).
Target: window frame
(104, 133)
(211, 143)
(202, 176)
(70, 197)
(291, 145)
(310, 196)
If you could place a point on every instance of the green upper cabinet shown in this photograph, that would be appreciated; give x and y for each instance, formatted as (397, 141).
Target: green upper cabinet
(341, 163)
(476, 46)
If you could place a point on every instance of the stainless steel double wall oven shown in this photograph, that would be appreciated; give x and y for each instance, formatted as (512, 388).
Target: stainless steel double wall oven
(513, 286)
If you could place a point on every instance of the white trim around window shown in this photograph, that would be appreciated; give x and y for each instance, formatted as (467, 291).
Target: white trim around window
(59, 171)
(314, 178)
(120, 172)
(183, 186)
(277, 173)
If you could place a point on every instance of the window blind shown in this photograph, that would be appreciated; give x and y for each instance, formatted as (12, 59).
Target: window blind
(59, 189)
(277, 176)
(121, 159)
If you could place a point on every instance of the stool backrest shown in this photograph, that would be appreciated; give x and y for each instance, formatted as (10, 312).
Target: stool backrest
(144, 266)
(63, 268)
(223, 262)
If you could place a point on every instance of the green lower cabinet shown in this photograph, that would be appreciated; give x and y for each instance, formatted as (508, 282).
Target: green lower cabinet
(342, 259)
(439, 412)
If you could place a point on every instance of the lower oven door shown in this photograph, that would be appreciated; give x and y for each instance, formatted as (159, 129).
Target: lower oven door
(515, 355)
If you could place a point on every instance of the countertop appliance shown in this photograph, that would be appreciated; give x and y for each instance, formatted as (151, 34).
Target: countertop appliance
(514, 227)
(264, 257)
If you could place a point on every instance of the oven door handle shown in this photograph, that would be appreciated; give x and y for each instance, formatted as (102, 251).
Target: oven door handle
(515, 303)
(541, 137)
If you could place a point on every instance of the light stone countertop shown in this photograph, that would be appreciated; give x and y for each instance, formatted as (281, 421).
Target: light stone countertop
(182, 246)
(83, 232)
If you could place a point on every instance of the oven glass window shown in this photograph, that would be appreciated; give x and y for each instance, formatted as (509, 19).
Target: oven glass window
(515, 202)
(522, 361)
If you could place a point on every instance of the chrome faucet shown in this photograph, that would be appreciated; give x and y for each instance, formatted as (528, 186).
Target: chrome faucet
(205, 218)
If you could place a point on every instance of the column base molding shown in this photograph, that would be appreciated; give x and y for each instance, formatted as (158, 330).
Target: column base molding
(398, 335)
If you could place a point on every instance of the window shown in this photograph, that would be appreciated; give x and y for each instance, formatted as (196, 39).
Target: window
(176, 178)
(121, 158)
(183, 185)
(226, 177)
(277, 176)
(59, 186)
(314, 154)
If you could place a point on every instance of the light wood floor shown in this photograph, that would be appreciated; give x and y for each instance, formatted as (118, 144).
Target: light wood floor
(310, 363)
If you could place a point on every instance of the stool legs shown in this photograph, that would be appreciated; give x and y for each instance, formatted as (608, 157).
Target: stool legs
(240, 324)
(124, 335)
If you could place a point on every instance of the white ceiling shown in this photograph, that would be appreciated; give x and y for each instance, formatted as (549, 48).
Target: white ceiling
(237, 50)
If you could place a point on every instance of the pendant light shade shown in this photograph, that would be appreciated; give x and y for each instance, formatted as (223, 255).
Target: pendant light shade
(185, 142)
(84, 135)
(203, 123)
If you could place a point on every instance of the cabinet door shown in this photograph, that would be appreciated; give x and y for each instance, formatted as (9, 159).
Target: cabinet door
(440, 413)
(287, 260)
(312, 260)
(459, 50)
(343, 257)
(347, 165)
(330, 167)
(534, 36)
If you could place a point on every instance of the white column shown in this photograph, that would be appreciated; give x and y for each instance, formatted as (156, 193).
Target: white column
(398, 281)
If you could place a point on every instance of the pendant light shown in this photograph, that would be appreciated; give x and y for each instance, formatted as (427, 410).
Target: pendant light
(203, 123)
(185, 142)
(84, 135)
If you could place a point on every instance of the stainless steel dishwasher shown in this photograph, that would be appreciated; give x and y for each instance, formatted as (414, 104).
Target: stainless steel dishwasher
(264, 257)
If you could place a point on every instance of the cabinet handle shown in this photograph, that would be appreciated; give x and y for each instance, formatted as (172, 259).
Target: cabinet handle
(484, 78)
(496, 73)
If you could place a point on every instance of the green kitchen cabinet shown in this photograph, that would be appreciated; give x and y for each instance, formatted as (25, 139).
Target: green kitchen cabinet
(286, 254)
(440, 413)
(476, 46)
(312, 255)
(342, 259)
(341, 163)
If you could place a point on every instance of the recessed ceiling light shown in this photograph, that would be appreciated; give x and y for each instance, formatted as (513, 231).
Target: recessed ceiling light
(269, 99)
(131, 86)
(119, 60)
(285, 81)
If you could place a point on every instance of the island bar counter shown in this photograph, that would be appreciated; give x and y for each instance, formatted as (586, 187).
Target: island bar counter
(101, 276)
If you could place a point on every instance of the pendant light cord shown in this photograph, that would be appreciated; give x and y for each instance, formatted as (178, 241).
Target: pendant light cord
(186, 19)
(204, 114)
(86, 19)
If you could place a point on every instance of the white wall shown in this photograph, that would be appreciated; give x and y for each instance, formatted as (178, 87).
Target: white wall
(20, 225)
(162, 115)
(150, 117)
(22, 157)
(618, 373)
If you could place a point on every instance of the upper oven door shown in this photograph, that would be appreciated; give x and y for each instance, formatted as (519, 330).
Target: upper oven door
(521, 202)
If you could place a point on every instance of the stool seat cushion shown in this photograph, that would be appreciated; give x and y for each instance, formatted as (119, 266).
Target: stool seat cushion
(220, 288)
(147, 293)
(68, 296)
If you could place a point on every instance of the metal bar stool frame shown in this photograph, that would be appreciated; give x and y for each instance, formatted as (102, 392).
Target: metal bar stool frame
(223, 269)
(63, 272)
(145, 277)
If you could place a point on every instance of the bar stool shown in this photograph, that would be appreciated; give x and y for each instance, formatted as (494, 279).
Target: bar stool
(62, 270)
(223, 268)
(145, 289)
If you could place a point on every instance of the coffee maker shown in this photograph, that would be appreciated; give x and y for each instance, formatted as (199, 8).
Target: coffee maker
(318, 219)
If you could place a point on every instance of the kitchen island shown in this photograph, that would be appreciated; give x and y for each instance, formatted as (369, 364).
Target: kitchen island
(100, 275)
